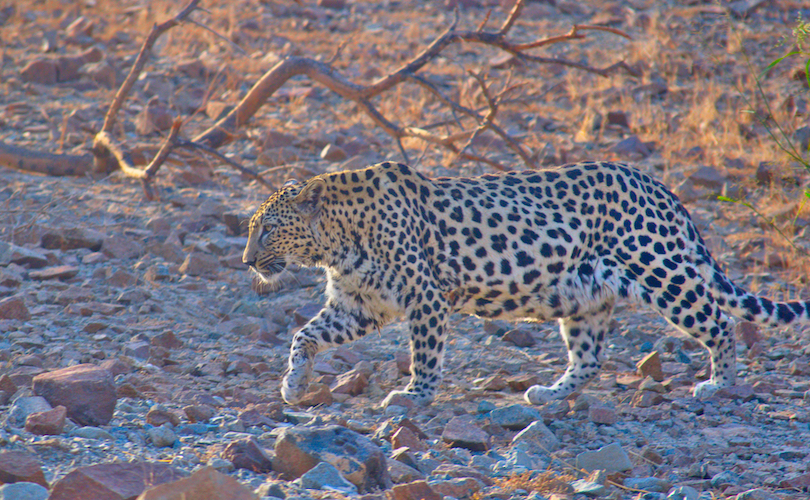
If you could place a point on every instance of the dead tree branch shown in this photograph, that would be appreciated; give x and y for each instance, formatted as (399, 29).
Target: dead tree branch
(325, 74)
(109, 154)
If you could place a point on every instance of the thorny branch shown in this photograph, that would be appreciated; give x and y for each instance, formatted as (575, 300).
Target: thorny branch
(106, 148)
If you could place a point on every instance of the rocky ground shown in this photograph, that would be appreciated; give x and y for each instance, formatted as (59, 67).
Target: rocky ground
(135, 349)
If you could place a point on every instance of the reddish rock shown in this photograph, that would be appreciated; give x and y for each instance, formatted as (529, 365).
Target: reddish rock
(359, 460)
(157, 416)
(47, 423)
(520, 383)
(87, 392)
(155, 117)
(7, 388)
(317, 394)
(247, 454)
(495, 382)
(199, 264)
(798, 482)
(14, 308)
(748, 332)
(116, 366)
(118, 481)
(72, 238)
(352, 382)
(41, 70)
(519, 337)
(461, 432)
(333, 153)
(650, 366)
(645, 399)
(205, 483)
(406, 437)
(274, 139)
(167, 340)
(618, 118)
(743, 392)
(417, 490)
(602, 415)
(20, 467)
(401, 473)
(403, 360)
(458, 487)
(199, 412)
(54, 273)
(100, 72)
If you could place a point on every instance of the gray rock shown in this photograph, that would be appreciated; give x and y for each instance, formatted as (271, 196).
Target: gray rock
(299, 449)
(683, 493)
(756, 494)
(220, 464)
(537, 438)
(22, 256)
(648, 484)
(515, 417)
(162, 436)
(725, 478)
(611, 458)
(325, 476)
(588, 488)
(461, 432)
(24, 406)
(90, 432)
(23, 491)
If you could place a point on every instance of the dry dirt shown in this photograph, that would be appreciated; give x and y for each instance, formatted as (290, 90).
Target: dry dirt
(173, 264)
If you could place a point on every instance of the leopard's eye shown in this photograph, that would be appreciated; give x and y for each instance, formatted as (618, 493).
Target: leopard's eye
(267, 230)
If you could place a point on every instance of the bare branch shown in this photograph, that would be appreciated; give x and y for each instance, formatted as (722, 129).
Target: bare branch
(140, 62)
(45, 163)
(213, 152)
(513, 15)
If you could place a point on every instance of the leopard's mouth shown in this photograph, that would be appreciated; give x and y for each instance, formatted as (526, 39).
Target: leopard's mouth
(269, 267)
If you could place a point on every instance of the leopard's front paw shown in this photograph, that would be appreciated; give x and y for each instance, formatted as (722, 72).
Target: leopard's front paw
(407, 398)
(294, 386)
(705, 390)
(537, 395)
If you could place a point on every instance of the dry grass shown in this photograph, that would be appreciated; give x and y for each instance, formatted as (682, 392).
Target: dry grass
(545, 483)
(698, 54)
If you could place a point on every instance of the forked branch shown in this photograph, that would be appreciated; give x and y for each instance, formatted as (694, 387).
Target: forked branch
(109, 154)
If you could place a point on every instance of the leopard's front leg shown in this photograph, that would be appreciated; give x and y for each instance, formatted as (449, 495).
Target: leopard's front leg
(334, 325)
(428, 334)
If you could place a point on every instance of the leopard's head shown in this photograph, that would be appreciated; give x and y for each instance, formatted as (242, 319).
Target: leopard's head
(283, 230)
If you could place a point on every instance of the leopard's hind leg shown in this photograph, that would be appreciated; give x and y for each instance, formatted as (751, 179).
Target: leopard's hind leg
(584, 337)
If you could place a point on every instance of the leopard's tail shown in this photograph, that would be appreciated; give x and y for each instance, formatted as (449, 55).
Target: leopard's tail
(743, 304)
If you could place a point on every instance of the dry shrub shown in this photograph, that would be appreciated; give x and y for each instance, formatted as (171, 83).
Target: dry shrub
(545, 483)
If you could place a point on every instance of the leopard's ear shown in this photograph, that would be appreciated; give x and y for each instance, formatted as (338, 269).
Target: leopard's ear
(308, 202)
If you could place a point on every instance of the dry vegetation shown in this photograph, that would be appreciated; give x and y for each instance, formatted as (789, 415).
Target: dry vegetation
(688, 98)
(686, 94)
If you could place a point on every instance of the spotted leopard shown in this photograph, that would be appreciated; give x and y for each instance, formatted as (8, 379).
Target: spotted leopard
(563, 243)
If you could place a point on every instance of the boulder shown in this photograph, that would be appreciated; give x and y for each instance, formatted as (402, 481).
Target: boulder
(461, 432)
(247, 454)
(205, 483)
(299, 449)
(20, 467)
(118, 481)
(14, 308)
(87, 391)
(51, 422)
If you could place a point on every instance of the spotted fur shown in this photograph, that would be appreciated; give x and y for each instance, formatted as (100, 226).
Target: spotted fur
(562, 243)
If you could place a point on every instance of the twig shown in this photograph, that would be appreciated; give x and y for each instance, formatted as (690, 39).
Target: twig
(216, 34)
(213, 152)
(165, 149)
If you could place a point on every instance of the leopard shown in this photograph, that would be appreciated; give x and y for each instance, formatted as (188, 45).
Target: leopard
(563, 243)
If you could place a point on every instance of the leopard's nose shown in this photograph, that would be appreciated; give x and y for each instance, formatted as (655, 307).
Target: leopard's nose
(249, 263)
